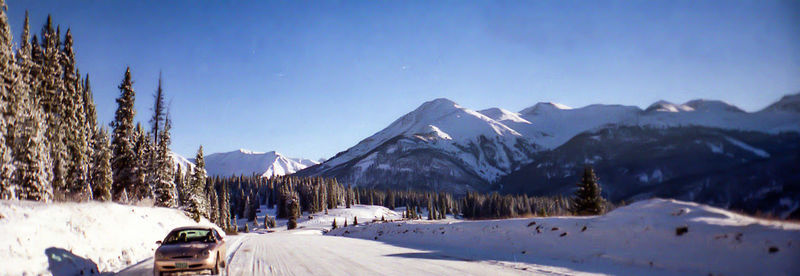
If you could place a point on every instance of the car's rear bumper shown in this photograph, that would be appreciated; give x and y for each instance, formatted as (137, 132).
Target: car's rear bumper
(174, 265)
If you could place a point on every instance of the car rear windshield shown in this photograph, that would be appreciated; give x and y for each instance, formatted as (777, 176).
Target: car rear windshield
(189, 235)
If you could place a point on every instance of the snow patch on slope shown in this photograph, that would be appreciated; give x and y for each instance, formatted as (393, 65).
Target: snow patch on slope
(761, 153)
(181, 162)
(245, 162)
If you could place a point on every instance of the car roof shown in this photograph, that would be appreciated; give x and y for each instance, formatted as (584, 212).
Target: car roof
(193, 228)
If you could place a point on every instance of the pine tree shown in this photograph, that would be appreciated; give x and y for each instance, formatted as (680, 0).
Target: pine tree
(90, 124)
(50, 92)
(9, 77)
(198, 205)
(213, 209)
(124, 162)
(224, 207)
(101, 174)
(74, 119)
(142, 149)
(180, 187)
(294, 212)
(163, 178)
(588, 200)
(30, 148)
(348, 197)
(159, 114)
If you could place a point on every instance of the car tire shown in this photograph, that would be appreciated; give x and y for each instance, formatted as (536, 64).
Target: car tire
(215, 270)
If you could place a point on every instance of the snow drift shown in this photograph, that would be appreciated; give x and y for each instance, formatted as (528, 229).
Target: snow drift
(654, 236)
(80, 238)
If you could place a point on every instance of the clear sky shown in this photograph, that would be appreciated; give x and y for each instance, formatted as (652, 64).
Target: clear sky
(312, 78)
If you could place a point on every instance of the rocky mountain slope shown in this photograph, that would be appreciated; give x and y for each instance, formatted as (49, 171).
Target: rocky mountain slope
(443, 146)
(245, 162)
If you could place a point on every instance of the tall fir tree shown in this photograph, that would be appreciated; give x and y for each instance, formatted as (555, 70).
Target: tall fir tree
(101, 173)
(163, 174)
(30, 148)
(50, 92)
(8, 75)
(74, 119)
(142, 147)
(91, 132)
(123, 162)
(588, 199)
(198, 204)
(181, 187)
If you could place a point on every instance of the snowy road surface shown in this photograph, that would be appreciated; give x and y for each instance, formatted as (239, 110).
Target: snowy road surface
(306, 253)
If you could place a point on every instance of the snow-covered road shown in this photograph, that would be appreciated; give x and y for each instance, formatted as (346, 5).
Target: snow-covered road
(306, 253)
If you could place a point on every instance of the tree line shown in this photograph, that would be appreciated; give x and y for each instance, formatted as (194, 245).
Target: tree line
(52, 148)
(292, 196)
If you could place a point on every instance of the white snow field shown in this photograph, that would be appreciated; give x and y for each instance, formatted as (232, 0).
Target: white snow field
(639, 239)
(80, 238)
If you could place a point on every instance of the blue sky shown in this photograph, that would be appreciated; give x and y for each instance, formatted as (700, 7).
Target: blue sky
(312, 78)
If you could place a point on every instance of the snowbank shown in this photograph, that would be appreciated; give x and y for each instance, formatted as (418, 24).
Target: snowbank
(80, 238)
(644, 237)
(364, 213)
(320, 222)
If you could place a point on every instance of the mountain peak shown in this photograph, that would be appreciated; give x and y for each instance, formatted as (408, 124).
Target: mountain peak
(711, 105)
(665, 106)
(247, 162)
(544, 107)
(436, 104)
(502, 115)
(789, 103)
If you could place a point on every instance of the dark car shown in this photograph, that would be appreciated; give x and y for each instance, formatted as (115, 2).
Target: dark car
(195, 248)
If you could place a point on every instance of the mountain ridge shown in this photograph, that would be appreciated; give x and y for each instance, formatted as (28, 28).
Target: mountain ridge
(494, 142)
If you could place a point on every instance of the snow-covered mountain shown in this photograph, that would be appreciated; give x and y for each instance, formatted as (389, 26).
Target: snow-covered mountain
(181, 162)
(442, 145)
(245, 162)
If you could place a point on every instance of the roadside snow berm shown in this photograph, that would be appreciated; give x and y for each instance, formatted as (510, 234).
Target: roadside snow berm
(639, 238)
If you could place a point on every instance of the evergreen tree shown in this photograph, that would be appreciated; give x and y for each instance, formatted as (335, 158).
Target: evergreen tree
(224, 207)
(124, 162)
(159, 114)
(197, 200)
(163, 178)
(348, 197)
(181, 187)
(294, 212)
(30, 148)
(142, 149)
(101, 174)
(90, 125)
(50, 92)
(213, 209)
(588, 200)
(74, 119)
(6, 114)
